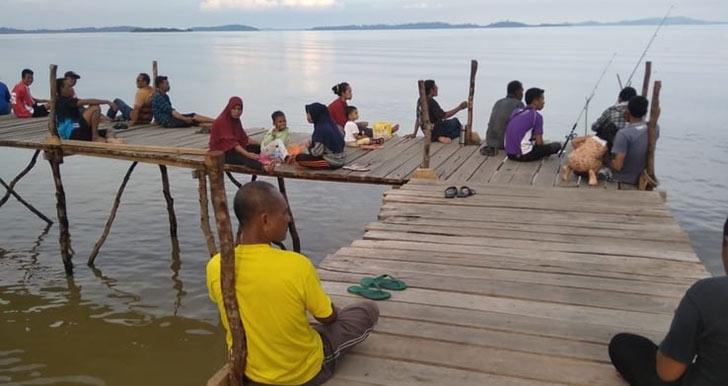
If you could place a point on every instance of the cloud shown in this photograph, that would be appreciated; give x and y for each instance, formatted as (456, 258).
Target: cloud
(213, 5)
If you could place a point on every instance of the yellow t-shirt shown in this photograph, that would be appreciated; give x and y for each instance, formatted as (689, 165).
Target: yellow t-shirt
(274, 289)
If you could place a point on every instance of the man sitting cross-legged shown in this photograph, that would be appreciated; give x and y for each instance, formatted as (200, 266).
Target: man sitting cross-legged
(274, 290)
(72, 124)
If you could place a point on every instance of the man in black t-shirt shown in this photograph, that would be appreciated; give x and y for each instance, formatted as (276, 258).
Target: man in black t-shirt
(72, 124)
(694, 351)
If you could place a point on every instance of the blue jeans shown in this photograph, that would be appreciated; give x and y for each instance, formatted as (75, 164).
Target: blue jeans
(124, 108)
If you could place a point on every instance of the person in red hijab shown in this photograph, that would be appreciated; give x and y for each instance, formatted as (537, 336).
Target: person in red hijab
(227, 135)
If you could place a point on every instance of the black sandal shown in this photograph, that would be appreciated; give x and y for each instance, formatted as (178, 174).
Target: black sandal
(451, 192)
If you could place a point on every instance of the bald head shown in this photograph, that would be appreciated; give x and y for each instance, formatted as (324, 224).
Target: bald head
(255, 198)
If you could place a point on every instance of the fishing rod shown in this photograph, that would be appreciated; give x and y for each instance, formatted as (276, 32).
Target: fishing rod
(654, 35)
(572, 134)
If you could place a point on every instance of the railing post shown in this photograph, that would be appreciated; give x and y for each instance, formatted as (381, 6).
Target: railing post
(214, 163)
(467, 139)
(646, 80)
(652, 136)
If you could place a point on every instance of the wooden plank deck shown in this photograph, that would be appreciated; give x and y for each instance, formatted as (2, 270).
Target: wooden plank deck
(391, 165)
(517, 285)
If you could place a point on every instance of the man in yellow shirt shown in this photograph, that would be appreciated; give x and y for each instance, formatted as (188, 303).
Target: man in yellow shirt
(141, 113)
(275, 289)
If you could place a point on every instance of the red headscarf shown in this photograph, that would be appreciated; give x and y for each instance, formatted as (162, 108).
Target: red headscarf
(226, 132)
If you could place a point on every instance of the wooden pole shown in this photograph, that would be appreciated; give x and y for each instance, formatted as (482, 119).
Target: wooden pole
(52, 110)
(214, 162)
(155, 73)
(426, 125)
(646, 80)
(291, 225)
(55, 158)
(170, 210)
(468, 135)
(652, 134)
(205, 213)
(112, 216)
(11, 190)
(22, 201)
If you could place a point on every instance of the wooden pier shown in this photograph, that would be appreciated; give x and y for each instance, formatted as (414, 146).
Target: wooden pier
(517, 285)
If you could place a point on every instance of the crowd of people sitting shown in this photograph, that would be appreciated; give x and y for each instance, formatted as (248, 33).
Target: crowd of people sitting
(513, 126)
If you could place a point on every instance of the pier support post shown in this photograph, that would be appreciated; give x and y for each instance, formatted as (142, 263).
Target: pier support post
(648, 179)
(291, 225)
(11, 190)
(55, 158)
(170, 210)
(424, 171)
(646, 80)
(201, 176)
(214, 163)
(112, 216)
(467, 138)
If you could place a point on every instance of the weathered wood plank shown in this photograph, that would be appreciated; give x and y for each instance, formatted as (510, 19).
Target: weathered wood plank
(488, 169)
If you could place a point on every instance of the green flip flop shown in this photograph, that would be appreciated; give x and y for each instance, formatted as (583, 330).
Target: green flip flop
(384, 281)
(372, 291)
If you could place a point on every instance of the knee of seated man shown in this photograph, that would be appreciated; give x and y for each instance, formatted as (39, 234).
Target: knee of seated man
(94, 109)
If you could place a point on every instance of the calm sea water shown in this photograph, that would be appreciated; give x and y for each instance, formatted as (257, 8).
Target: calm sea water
(144, 316)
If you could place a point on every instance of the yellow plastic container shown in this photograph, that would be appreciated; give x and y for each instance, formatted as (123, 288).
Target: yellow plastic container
(382, 130)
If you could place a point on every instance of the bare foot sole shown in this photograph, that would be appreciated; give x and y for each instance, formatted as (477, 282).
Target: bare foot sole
(592, 178)
(119, 141)
(269, 168)
(444, 140)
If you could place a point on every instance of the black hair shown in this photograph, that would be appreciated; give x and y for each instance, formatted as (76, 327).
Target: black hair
(725, 228)
(276, 114)
(637, 106)
(340, 88)
(252, 199)
(159, 80)
(627, 93)
(145, 77)
(60, 83)
(26, 71)
(349, 110)
(532, 94)
(429, 85)
(514, 86)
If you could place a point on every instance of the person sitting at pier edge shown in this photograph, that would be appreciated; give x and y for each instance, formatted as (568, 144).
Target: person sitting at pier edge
(227, 135)
(499, 116)
(72, 78)
(274, 290)
(23, 104)
(631, 143)
(4, 99)
(325, 150)
(524, 132)
(444, 128)
(614, 115)
(142, 112)
(276, 140)
(72, 124)
(694, 350)
(166, 116)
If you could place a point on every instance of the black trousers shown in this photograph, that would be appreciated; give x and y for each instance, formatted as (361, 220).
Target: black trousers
(233, 157)
(634, 358)
(538, 152)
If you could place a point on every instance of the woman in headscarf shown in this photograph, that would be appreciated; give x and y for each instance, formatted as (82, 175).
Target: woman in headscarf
(326, 148)
(227, 135)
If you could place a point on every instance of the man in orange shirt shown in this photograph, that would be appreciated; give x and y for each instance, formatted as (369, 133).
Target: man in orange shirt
(141, 113)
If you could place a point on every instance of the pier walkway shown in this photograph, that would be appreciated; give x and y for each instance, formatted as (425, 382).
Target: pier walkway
(391, 165)
(517, 285)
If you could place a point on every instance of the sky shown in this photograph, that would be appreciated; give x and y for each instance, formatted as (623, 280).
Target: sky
(283, 14)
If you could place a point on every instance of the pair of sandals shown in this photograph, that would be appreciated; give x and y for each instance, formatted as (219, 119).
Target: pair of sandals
(372, 287)
(464, 191)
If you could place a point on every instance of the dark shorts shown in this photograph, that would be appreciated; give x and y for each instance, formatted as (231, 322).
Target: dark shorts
(174, 122)
(40, 111)
(235, 158)
(446, 128)
(83, 132)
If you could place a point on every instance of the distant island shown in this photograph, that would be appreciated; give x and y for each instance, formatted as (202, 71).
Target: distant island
(230, 27)
(368, 27)
(514, 24)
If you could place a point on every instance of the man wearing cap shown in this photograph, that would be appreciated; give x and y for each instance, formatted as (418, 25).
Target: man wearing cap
(24, 105)
(71, 79)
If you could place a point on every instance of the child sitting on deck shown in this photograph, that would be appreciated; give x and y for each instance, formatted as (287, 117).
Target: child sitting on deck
(355, 135)
(275, 142)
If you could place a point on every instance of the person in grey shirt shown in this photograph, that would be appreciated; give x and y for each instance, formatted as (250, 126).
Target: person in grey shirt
(631, 143)
(499, 118)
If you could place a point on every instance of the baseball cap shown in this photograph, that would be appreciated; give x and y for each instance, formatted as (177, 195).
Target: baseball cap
(71, 74)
